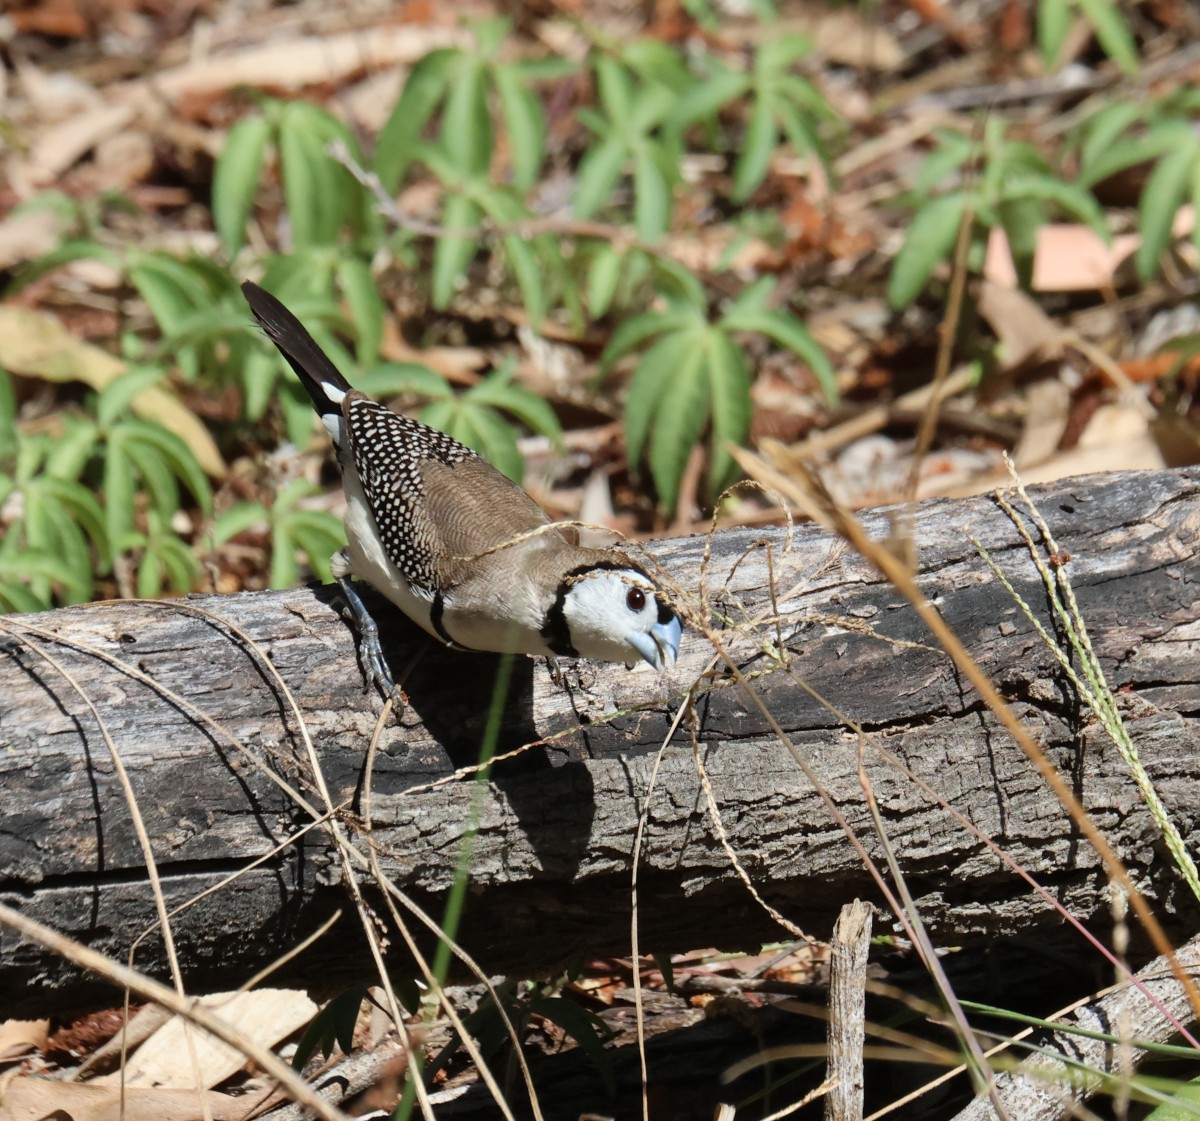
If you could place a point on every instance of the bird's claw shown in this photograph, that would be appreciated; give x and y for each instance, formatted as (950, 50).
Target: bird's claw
(370, 651)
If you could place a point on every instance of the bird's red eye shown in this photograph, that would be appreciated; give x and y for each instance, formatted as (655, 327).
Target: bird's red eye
(635, 599)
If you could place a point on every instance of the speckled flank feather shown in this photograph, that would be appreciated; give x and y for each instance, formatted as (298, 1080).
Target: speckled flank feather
(389, 451)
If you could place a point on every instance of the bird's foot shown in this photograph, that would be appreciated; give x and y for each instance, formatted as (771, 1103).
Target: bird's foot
(370, 651)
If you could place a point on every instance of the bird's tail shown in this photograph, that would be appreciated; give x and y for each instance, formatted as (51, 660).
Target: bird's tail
(316, 372)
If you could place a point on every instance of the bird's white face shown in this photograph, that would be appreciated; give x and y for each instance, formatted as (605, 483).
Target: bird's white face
(613, 615)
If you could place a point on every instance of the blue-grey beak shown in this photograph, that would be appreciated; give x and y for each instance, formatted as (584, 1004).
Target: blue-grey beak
(661, 646)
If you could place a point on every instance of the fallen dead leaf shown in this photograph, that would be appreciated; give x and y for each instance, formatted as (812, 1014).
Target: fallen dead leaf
(37, 1099)
(19, 1037)
(164, 1060)
(37, 345)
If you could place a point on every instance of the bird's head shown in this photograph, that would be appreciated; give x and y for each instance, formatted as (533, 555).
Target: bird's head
(615, 614)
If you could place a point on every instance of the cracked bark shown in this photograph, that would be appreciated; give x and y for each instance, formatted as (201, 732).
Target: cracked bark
(550, 864)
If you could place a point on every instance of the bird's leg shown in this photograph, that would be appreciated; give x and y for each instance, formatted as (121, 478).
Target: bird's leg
(556, 674)
(370, 652)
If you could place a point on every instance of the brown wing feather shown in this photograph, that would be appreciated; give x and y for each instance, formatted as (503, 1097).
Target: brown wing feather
(474, 509)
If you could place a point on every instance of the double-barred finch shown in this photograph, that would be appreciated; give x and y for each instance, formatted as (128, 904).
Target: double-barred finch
(459, 548)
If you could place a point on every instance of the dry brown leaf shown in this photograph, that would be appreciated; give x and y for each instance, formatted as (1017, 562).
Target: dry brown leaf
(263, 1015)
(1026, 333)
(59, 147)
(19, 1037)
(36, 1099)
(1072, 258)
(37, 345)
(312, 60)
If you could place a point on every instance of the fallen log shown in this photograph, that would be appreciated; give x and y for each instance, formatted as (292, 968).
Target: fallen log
(550, 861)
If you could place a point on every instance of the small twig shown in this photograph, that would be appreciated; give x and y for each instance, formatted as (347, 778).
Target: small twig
(847, 1011)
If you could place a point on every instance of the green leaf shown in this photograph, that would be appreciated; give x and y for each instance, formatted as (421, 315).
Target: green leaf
(240, 517)
(156, 477)
(652, 197)
(931, 238)
(633, 332)
(707, 98)
(1112, 32)
(284, 572)
(392, 378)
(1053, 23)
(535, 413)
(177, 455)
(789, 332)
(1021, 217)
(399, 139)
(1074, 199)
(598, 173)
(525, 123)
(298, 416)
(952, 152)
(495, 439)
(366, 308)
(259, 373)
(1162, 197)
(310, 184)
(677, 429)
(235, 179)
(115, 398)
(467, 125)
(454, 251)
(758, 145)
(614, 89)
(119, 493)
(729, 389)
(603, 274)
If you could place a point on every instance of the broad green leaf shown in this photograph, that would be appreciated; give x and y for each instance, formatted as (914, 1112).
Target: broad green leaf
(17, 597)
(467, 125)
(1053, 23)
(392, 378)
(1100, 133)
(180, 460)
(677, 428)
(953, 151)
(529, 276)
(1079, 203)
(156, 477)
(598, 173)
(398, 140)
(149, 576)
(117, 396)
(709, 96)
(494, 438)
(604, 272)
(259, 373)
(455, 250)
(525, 123)
(1162, 197)
(1112, 32)
(758, 145)
(298, 416)
(930, 240)
(70, 453)
(119, 493)
(284, 572)
(729, 389)
(8, 416)
(240, 517)
(84, 507)
(652, 198)
(1021, 217)
(614, 89)
(366, 308)
(788, 331)
(535, 413)
(648, 387)
(310, 182)
(235, 179)
(633, 332)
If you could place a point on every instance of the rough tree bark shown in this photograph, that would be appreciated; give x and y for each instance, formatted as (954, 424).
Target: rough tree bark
(550, 866)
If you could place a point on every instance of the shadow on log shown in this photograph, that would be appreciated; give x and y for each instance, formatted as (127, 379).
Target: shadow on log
(550, 866)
